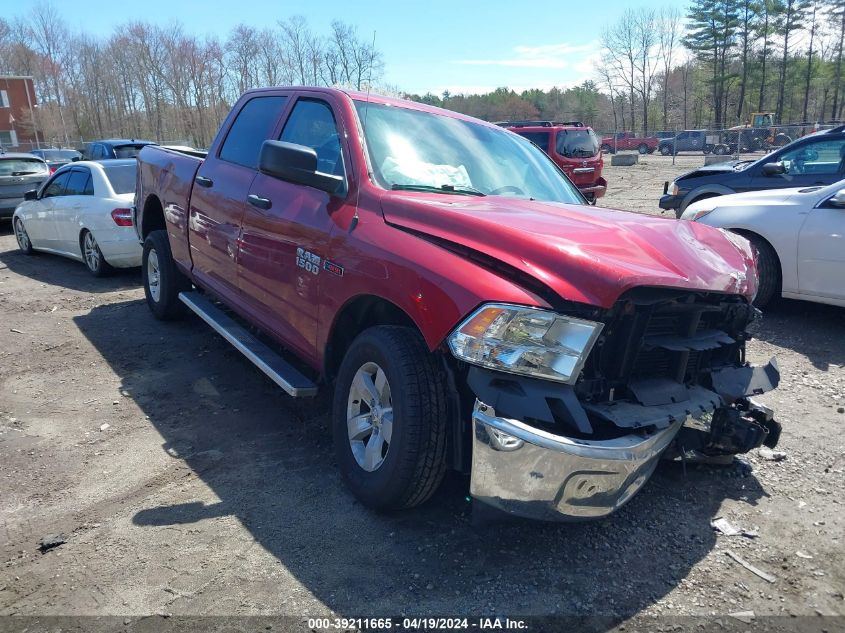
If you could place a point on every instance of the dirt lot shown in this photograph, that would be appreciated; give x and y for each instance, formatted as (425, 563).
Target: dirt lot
(185, 483)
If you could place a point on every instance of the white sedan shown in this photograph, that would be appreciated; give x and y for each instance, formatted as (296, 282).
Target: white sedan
(83, 212)
(799, 235)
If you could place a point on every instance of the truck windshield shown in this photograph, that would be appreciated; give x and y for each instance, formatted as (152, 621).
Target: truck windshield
(414, 150)
(577, 143)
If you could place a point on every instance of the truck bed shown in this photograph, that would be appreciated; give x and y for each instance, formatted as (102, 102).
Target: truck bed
(166, 178)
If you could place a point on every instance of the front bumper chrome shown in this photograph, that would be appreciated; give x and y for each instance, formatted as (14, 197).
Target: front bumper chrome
(532, 473)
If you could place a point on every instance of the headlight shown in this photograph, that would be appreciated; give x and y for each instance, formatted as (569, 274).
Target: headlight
(674, 189)
(700, 213)
(527, 341)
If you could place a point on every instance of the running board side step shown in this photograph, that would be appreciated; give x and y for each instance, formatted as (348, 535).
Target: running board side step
(270, 362)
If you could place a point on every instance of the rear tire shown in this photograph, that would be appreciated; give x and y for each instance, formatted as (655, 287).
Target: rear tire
(643, 148)
(768, 271)
(162, 280)
(406, 462)
(782, 139)
(22, 237)
(607, 149)
(93, 256)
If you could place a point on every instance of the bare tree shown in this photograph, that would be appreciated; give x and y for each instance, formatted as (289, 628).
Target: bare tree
(669, 29)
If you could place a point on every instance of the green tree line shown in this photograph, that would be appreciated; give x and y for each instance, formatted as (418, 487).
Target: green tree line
(711, 66)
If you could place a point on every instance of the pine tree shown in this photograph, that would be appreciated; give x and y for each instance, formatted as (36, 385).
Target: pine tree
(711, 36)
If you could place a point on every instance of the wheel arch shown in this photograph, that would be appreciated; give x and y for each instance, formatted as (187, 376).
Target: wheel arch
(751, 233)
(355, 316)
(152, 218)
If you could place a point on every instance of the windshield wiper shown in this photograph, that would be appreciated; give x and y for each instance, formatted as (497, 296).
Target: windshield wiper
(24, 173)
(466, 191)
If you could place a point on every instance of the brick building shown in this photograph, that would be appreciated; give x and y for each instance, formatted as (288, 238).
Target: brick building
(17, 113)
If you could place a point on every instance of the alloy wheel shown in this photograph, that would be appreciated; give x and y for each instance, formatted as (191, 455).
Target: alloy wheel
(153, 275)
(91, 252)
(21, 235)
(369, 416)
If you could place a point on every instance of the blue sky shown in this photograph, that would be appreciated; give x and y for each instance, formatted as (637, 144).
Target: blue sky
(427, 46)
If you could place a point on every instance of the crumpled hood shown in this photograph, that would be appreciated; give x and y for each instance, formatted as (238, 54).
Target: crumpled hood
(585, 254)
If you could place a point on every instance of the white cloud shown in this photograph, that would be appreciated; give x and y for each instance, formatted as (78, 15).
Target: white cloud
(551, 56)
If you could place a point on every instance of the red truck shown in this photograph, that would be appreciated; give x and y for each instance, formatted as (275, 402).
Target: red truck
(464, 304)
(573, 147)
(628, 141)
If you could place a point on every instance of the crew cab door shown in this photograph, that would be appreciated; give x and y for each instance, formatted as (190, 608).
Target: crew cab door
(821, 252)
(220, 190)
(285, 238)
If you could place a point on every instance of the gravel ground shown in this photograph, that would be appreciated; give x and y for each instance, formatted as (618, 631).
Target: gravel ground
(185, 483)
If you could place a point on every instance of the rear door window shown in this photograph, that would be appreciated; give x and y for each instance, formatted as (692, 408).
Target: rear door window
(253, 126)
(76, 183)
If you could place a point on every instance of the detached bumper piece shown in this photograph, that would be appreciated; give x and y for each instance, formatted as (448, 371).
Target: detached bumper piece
(528, 472)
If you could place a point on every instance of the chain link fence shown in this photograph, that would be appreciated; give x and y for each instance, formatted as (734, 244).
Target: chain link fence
(730, 142)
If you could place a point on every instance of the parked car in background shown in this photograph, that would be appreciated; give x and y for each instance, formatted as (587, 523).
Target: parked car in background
(573, 147)
(629, 141)
(689, 141)
(56, 158)
(816, 159)
(19, 173)
(115, 148)
(446, 280)
(799, 234)
(83, 212)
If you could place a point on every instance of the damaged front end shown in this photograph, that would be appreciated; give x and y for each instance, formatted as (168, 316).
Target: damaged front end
(664, 375)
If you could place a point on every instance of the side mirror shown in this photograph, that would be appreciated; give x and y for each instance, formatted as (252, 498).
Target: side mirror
(75, 159)
(31, 195)
(773, 169)
(295, 163)
(838, 199)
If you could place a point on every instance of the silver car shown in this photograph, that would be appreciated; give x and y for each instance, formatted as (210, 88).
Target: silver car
(19, 173)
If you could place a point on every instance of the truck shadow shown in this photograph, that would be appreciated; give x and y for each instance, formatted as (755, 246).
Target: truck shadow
(269, 460)
(818, 336)
(61, 271)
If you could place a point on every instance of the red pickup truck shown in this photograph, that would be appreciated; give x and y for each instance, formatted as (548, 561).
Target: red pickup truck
(466, 306)
(627, 141)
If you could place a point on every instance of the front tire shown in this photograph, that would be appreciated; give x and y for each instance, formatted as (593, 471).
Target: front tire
(607, 149)
(768, 271)
(665, 150)
(93, 256)
(22, 237)
(162, 280)
(643, 149)
(389, 419)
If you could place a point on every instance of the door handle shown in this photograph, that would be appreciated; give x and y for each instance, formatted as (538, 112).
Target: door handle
(258, 201)
(202, 181)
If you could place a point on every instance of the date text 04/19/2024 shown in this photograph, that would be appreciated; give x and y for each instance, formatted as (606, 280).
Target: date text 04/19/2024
(417, 624)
